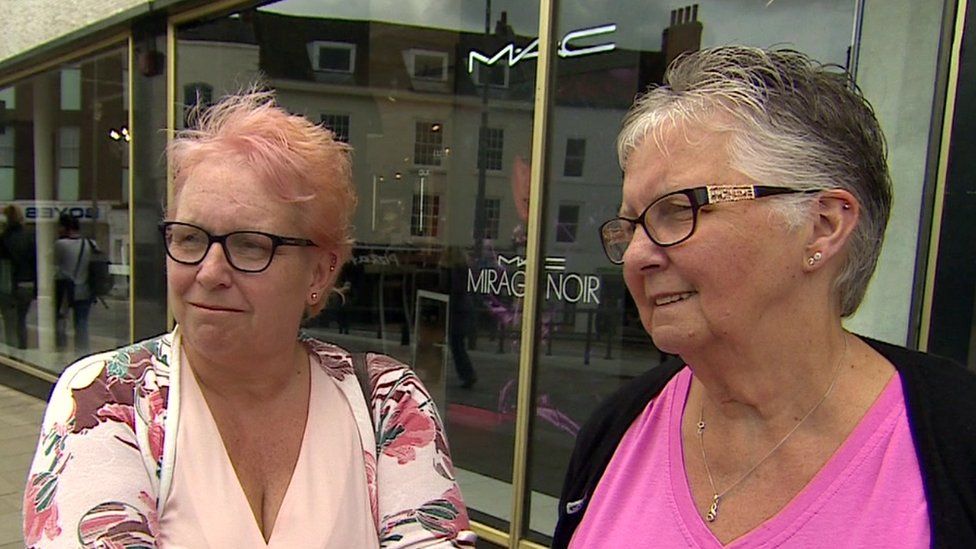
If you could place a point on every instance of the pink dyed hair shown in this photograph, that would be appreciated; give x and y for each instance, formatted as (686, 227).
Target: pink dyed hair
(301, 162)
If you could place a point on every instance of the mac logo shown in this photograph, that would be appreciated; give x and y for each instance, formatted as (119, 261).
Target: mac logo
(566, 48)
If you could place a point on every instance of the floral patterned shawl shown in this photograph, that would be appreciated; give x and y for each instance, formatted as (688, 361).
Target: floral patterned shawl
(103, 466)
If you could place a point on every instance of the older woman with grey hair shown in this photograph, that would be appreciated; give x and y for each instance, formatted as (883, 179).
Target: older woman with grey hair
(755, 199)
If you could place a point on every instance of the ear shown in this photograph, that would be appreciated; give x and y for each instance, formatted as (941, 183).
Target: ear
(836, 215)
(324, 274)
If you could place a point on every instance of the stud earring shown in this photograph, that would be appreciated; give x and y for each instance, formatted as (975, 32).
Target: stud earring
(847, 205)
(315, 296)
(814, 258)
(333, 265)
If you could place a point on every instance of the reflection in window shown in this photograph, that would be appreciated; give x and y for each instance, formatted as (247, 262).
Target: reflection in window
(423, 218)
(338, 124)
(7, 162)
(197, 93)
(8, 100)
(493, 143)
(575, 153)
(495, 76)
(493, 208)
(428, 144)
(567, 223)
(71, 89)
(69, 149)
(332, 56)
(428, 65)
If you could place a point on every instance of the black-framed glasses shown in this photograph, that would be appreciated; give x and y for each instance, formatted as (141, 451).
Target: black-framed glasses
(672, 218)
(246, 251)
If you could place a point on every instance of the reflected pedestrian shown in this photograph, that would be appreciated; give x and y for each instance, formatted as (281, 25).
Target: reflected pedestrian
(72, 293)
(461, 314)
(17, 246)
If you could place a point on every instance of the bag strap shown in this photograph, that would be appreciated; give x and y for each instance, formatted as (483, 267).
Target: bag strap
(81, 252)
(362, 375)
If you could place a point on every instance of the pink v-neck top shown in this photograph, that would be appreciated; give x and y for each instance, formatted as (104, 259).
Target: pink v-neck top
(868, 494)
(326, 503)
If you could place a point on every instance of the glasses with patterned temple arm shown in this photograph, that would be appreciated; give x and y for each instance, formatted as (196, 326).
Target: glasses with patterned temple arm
(673, 218)
(246, 251)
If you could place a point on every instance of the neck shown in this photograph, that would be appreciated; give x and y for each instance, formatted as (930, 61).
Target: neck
(776, 378)
(254, 376)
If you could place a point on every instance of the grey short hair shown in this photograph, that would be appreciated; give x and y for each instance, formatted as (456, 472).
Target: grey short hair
(793, 122)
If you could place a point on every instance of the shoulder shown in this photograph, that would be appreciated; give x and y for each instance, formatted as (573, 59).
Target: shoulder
(338, 362)
(602, 432)
(619, 410)
(117, 378)
(933, 379)
(938, 395)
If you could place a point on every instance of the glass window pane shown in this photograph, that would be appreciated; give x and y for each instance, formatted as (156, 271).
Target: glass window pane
(77, 175)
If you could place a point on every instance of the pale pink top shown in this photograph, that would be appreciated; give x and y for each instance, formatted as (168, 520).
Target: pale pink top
(326, 503)
(868, 494)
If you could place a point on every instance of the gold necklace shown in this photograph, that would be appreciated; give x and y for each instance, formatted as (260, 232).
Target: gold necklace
(717, 496)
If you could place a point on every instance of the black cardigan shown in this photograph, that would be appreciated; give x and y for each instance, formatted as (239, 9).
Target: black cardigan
(940, 398)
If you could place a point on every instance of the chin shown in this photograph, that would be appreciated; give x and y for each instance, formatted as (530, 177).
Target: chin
(671, 339)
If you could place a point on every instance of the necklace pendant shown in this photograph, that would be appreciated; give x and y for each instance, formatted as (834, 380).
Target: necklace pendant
(712, 513)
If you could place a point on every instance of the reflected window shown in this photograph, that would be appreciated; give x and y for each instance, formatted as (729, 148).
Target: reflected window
(495, 76)
(71, 89)
(69, 149)
(7, 162)
(493, 144)
(332, 56)
(8, 100)
(197, 93)
(428, 143)
(567, 223)
(575, 154)
(428, 65)
(338, 124)
(493, 208)
(423, 218)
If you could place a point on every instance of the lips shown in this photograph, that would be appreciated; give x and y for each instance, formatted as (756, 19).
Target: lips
(216, 308)
(667, 299)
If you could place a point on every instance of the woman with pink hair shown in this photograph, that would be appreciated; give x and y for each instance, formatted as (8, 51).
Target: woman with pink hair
(234, 430)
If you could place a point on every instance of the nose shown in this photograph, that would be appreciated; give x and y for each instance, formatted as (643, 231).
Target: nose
(643, 254)
(214, 270)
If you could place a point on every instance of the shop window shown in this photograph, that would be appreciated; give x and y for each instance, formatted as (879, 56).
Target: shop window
(69, 149)
(567, 222)
(71, 89)
(428, 65)
(493, 208)
(495, 76)
(424, 217)
(338, 124)
(428, 146)
(332, 56)
(76, 108)
(492, 146)
(575, 154)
